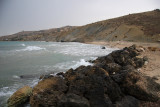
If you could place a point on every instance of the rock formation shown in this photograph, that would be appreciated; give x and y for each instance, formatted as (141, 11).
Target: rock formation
(20, 97)
(113, 81)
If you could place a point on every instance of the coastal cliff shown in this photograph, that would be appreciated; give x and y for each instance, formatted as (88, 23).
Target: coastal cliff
(139, 27)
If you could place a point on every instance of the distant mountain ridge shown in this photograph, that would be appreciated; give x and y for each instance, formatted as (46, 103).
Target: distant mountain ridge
(139, 27)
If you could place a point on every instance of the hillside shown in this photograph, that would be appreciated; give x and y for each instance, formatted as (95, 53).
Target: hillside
(139, 27)
(42, 35)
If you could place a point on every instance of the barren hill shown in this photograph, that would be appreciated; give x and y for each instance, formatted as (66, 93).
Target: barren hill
(139, 27)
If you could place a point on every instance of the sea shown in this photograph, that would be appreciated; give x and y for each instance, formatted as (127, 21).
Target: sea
(22, 63)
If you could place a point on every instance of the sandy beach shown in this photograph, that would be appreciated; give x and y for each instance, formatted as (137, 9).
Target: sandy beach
(151, 50)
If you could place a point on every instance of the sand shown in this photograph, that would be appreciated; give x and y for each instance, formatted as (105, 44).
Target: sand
(151, 50)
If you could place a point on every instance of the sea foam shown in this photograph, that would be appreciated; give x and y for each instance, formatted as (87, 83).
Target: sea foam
(31, 48)
(23, 44)
(5, 91)
(81, 62)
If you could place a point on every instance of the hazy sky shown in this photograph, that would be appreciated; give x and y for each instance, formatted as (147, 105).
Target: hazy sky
(18, 15)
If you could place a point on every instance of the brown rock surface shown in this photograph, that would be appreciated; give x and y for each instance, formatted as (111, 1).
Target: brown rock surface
(96, 86)
(20, 97)
(47, 92)
(141, 87)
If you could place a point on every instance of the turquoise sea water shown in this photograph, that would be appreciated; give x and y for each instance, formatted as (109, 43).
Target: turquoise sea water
(32, 59)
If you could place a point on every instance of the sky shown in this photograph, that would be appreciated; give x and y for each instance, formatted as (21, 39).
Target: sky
(30, 15)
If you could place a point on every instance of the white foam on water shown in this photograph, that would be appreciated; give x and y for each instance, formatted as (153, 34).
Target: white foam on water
(16, 77)
(5, 91)
(34, 82)
(81, 62)
(79, 49)
(23, 44)
(31, 48)
(71, 64)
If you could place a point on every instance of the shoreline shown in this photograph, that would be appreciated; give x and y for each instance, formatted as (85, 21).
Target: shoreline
(152, 68)
(116, 79)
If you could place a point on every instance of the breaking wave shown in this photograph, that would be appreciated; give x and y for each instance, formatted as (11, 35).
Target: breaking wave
(81, 62)
(31, 48)
(23, 44)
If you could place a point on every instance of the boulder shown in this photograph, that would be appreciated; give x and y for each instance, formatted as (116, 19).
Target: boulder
(141, 87)
(104, 60)
(47, 92)
(86, 81)
(124, 57)
(73, 100)
(150, 104)
(128, 101)
(112, 68)
(103, 47)
(20, 97)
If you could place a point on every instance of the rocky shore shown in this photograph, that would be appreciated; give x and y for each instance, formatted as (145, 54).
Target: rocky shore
(114, 80)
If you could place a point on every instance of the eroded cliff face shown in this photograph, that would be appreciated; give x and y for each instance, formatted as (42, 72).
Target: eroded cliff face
(140, 27)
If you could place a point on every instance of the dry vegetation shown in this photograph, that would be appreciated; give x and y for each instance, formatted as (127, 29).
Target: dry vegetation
(140, 27)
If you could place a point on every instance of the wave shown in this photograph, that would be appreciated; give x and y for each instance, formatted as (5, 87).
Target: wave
(16, 77)
(31, 48)
(82, 50)
(23, 44)
(34, 82)
(5, 91)
(81, 62)
(64, 66)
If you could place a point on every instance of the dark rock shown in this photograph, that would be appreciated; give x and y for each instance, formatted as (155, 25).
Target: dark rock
(124, 57)
(150, 104)
(73, 100)
(112, 81)
(128, 101)
(119, 76)
(128, 68)
(104, 60)
(62, 41)
(112, 68)
(89, 80)
(27, 76)
(138, 62)
(47, 92)
(141, 87)
(145, 58)
(103, 47)
(60, 74)
(46, 76)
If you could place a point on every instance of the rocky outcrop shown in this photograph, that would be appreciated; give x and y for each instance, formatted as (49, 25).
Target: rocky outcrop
(20, 97)
(141, 87)
(73, 100)
(113, 80)
(48, 92)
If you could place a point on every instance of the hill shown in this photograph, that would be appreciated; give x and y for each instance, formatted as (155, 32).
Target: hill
(139, 27)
